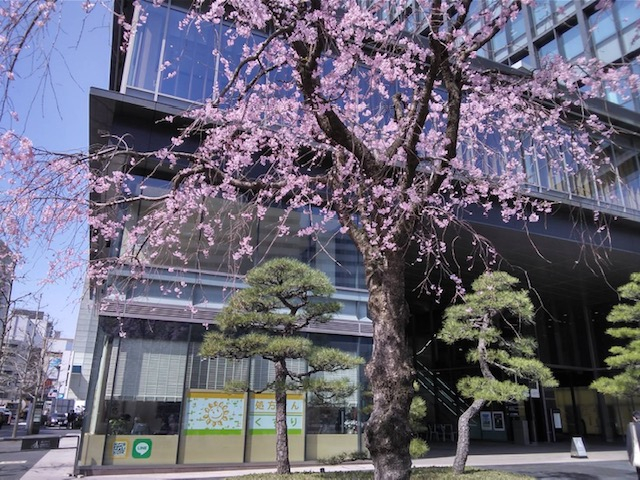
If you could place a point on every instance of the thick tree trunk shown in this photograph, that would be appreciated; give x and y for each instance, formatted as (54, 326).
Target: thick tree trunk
(390, 372)
(282, 438)
(462, 449)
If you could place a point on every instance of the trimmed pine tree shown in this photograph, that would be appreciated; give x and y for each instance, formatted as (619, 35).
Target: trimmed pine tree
(491, 319)
(624, 358)
(283, 297)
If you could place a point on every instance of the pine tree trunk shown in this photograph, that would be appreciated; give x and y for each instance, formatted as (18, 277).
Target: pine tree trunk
(390, 372)
(462, 448)
(282, 439)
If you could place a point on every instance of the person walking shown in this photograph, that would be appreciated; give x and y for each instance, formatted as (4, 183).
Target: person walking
(633, 441)
(71, 419)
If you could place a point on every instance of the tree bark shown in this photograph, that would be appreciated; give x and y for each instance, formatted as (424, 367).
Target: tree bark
(388, 433)
(462, 448)
(282, 438)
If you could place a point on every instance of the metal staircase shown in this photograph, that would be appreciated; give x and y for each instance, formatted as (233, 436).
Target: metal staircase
(448, 404)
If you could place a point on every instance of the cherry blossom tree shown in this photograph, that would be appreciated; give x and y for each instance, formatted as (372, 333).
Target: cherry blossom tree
(43, 193)
(344, 115)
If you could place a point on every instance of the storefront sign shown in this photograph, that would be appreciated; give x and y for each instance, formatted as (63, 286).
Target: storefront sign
(262, 414)
(141, 448)
(215, 413)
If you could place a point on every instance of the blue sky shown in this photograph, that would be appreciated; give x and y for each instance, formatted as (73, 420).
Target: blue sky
(53, 109)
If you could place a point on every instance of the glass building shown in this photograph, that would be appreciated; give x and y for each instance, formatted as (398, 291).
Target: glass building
(152, 400)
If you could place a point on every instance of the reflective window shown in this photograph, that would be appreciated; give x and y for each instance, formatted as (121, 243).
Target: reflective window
(214, 373)
(602, 25)
(542, 16)
(628, 15)
(571, 42)
(339, 415)
(270, 242)
(189, 67)
(517, 27)
(606, 180)
(626, 161)
(179, 59)
(144, 378)
(499, 43)
(529, 162)
(193, 67)
(627, 11)
(147, 49)
(336, 255)
(148, 369)
(563, 8)
(330, 250)
(525, 62)
(609, 50)
(550, 48)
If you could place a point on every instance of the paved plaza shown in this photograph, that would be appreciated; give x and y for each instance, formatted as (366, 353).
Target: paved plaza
(543, 461)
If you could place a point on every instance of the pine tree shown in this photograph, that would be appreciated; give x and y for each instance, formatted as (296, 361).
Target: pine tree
(492, 318)
(283, 297)
(417, 412)
(625, 358)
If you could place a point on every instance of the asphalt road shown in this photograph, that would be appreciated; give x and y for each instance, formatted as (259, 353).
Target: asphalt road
(14, 463)
(611, 470)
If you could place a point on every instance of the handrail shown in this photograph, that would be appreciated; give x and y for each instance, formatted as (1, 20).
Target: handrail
(440, 390)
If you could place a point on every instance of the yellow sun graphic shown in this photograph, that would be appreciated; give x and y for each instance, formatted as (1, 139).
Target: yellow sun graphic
(216, 413)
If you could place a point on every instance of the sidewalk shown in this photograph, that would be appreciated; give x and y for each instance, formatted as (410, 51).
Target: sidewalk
(546, 461)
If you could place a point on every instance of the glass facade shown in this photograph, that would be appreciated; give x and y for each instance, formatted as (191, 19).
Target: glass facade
(155, 388)
(331, 251)
(557, 27)
(573, 29)
(174, 60)
(164, 65)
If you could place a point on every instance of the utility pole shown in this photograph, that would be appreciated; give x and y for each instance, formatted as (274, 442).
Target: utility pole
(38, 347)
(25, 367)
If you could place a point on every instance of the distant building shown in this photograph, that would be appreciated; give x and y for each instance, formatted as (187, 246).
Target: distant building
(58, 372)
(28, 326)
(7, 269)
(23, 353)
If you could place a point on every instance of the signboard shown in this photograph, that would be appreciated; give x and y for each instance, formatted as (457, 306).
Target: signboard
(262, 414)
(141, 448)
(577, 448)
(42, 443)
(557, 420)
(498, 421)
(222, 413)
(55, 362)
(485, 421)
(214, 413)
